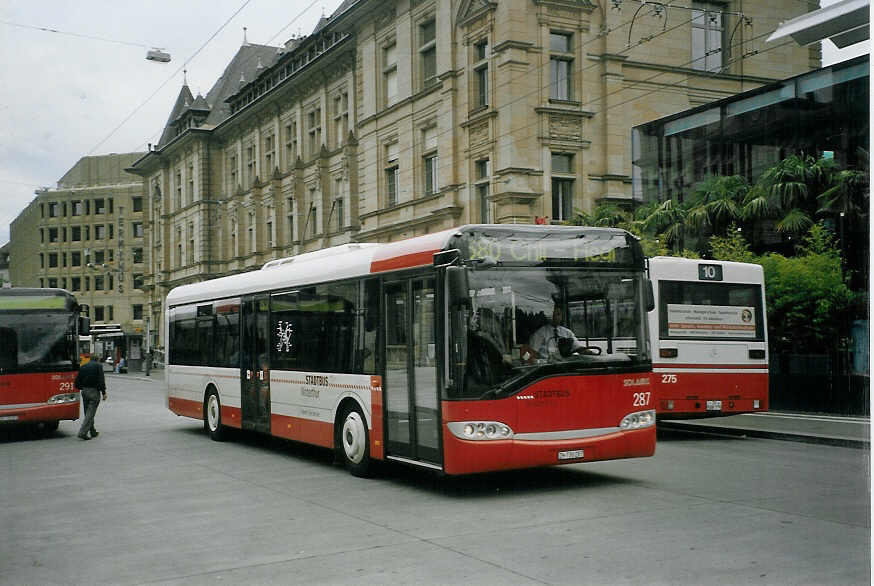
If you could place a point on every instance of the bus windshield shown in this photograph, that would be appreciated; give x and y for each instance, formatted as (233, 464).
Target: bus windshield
(529, 322)
(37, 342)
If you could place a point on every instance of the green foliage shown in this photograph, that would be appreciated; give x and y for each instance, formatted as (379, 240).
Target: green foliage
(807, 296)
(733, 247)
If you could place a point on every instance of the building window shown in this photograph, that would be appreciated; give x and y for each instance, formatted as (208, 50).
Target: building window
(428, 52)
(53, 260)
(250, 164)
(341, 118)
(137, 254)
(482, 176)
(178, 184)
(562, 186)
(391, 175)
(75, 259)
(707, 36)
(232, 173)
(53, 234)
(481, 74)
(99, 232)
(561, 61)
(311, 217)
(390, 74)
(137, 203)
(190, 243)
(76, 283)
(136, 308)
(190, 193)
(337, 208)
(429, 160)
(76, 208)
(98, 283)
(138, 281)
(76, 233)
(178, 246)
(55, 209)
(53, 282)
(99, 256)
(269, 148)
(289, 218)
(290, 145)
(109, 312)
(98, 309)
(251, 232)
(234, 237)
(314, 131)
(137, 229)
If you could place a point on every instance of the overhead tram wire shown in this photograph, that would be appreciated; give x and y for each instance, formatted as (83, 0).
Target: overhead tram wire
(188, 60)
(644, 40)
(78, 35)
(175, 73)
(537, 122)
(295, 19)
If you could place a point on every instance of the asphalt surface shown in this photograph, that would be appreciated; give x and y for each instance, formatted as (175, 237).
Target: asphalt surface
(819, 428)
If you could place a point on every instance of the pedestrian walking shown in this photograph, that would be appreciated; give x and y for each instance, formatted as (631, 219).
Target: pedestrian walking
(91, 384)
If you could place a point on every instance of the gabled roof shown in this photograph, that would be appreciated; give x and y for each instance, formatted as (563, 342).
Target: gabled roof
(244, 66)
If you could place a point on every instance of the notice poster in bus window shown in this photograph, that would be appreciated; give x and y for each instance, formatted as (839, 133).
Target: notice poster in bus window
(711, 321)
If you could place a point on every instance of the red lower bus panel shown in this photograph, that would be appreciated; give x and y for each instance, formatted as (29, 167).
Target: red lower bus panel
(689, 393)
(24, 397)
(318, 433)
(572, 405)
(468, 457)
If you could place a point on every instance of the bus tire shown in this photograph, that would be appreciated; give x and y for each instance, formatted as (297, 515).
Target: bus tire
(353, 441)
(51, 426)
(212, 416)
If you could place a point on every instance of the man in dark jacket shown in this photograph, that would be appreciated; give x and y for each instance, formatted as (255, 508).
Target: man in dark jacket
(91, 385)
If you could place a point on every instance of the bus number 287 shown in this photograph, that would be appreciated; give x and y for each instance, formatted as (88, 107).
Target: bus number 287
(641, 399)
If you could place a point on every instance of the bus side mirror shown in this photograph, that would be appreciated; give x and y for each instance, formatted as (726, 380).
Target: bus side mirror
(84, 326)
(459, 292)
(650, 297)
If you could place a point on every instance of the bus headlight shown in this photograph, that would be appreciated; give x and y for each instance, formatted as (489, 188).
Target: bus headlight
(63, 398)
(480, 430)
(638, 420)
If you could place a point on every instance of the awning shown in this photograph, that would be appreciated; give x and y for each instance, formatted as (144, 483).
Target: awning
(845, 23)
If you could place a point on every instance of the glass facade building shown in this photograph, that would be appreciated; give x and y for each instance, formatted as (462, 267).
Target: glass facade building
(820, 113)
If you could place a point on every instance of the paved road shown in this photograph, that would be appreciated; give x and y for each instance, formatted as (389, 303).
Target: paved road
(153, 501)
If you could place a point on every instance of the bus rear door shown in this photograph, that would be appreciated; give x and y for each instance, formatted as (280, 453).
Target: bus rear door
(255, 365)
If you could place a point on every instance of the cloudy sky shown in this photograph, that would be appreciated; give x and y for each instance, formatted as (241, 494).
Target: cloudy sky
(88, 89)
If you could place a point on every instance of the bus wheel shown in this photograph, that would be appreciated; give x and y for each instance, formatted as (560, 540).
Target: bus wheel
(212, 416)
(51, 426)
(353, 442)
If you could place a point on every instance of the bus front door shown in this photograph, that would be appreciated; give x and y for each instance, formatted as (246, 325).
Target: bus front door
(255, 365)
(410, 385)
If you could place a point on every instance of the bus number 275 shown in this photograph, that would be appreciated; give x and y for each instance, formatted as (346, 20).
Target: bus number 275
(641, 399)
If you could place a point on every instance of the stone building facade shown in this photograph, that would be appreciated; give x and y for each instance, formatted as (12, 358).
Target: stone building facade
(402, 117)
(87, 236)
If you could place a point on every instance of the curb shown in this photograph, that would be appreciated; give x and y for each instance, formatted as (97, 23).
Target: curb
(844, 442)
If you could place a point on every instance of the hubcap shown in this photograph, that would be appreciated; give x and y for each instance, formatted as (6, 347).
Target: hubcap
(354, 438)
(212, 412)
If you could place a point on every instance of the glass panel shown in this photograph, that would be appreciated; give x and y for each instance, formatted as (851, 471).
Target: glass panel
(425, 371)
(524, 320)
(561, 163)
(559, 42)
(710, 311)
(397, 382)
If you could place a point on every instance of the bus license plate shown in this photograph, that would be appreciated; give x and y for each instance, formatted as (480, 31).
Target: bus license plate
(570, 455)
(714, 405)
(9, 418)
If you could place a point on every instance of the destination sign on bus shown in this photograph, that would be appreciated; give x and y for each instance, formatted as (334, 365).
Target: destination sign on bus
(596, 247)
(714, 321)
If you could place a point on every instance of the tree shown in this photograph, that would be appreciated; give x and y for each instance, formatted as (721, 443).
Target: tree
(716, 203)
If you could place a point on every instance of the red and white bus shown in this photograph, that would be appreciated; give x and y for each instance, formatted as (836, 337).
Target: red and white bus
(709, 337)
(39, 355)
(417, 351)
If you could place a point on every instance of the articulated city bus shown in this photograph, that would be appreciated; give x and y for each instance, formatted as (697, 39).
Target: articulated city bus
(423, 351)
(709, 337)
(39, 355)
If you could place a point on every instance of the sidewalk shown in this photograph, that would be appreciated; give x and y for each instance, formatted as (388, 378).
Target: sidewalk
(819, 428)
(837, 430)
